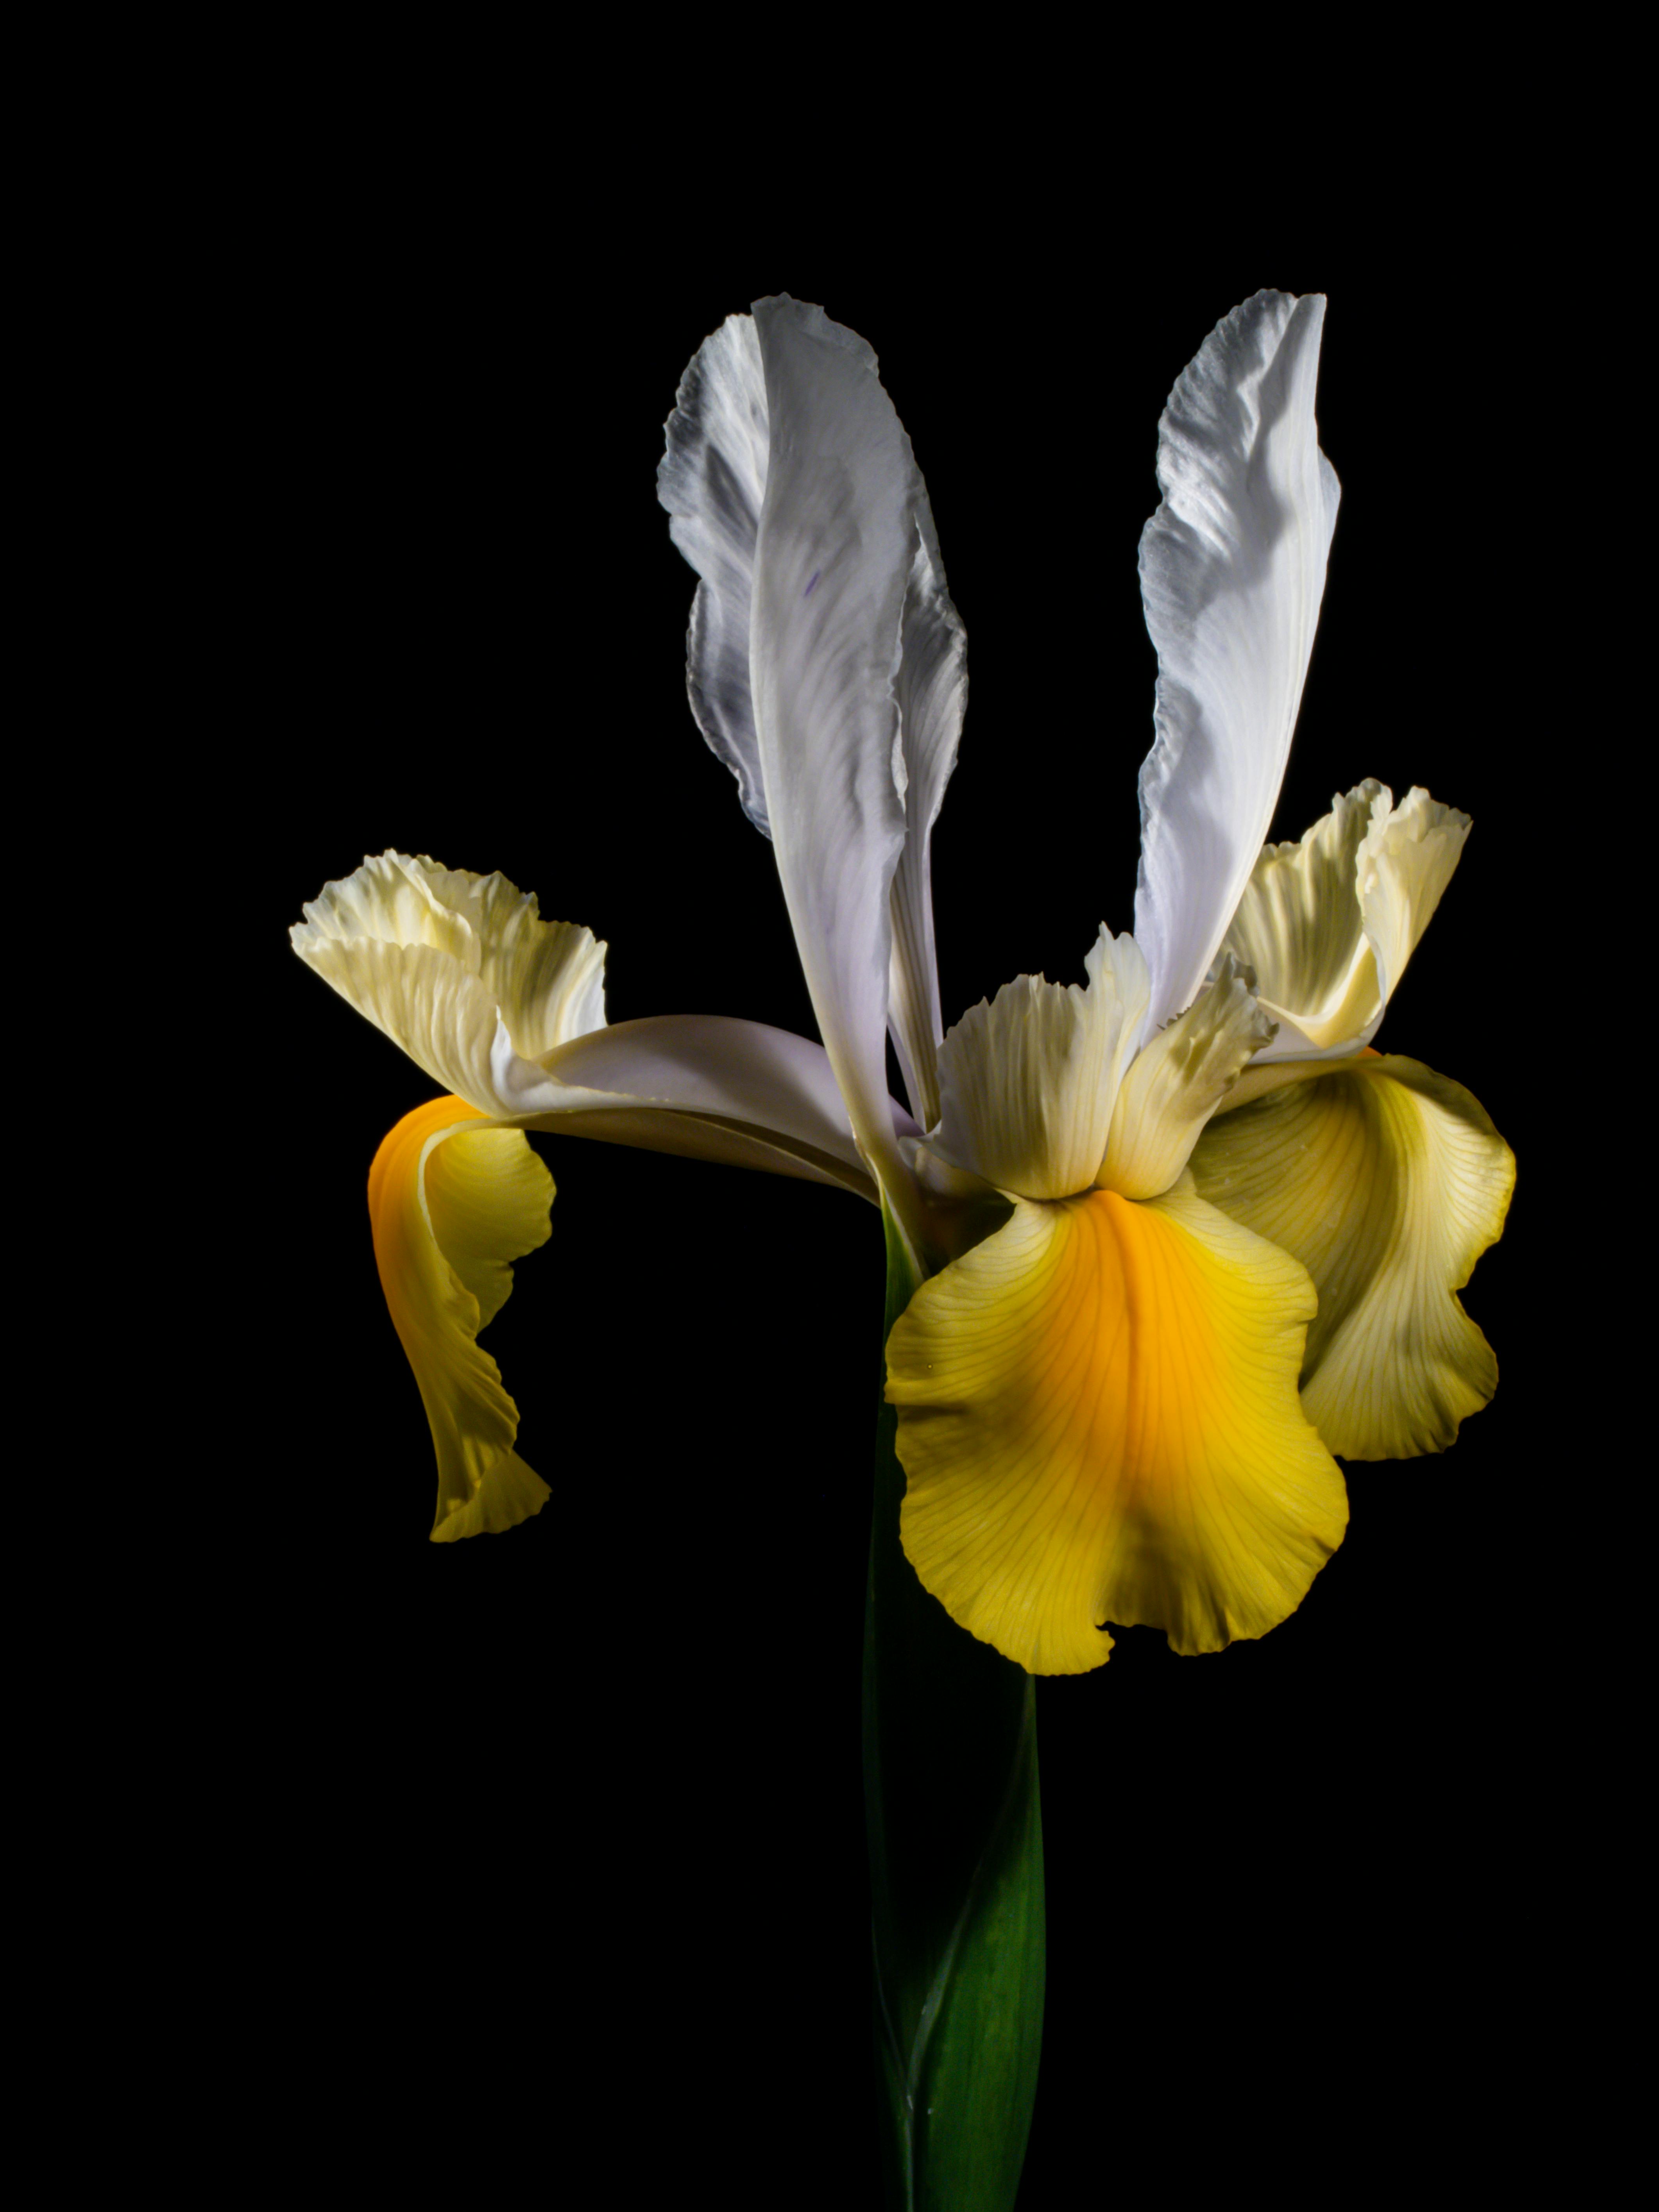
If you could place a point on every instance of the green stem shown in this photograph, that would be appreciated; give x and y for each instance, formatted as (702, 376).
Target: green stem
(955, 1868)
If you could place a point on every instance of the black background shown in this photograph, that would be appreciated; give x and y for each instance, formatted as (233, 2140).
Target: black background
(568, 1821)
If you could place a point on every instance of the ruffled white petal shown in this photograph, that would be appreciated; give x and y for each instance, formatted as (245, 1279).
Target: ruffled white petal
(457, 970)
(932, 696)
(1233, 570)
(1323, 921)
(1176, 1083)
(1027, 1083)
(712, 479)
(833, 559)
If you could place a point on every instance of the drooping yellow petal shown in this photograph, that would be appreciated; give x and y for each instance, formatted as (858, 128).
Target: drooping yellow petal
(1098, 1420)
(1388, 1182)
(1176, 1083)
(1027, 1080)
(453, 1204)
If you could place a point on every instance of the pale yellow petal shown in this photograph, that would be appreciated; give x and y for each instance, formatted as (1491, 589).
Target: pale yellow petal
(1388, 1182)
(1027, 1082)
(1299, 926)
(1177, 1081)
(457, 970)
(1405, 864)
(1098, 1420)
(1329, 922)
(453, 1204)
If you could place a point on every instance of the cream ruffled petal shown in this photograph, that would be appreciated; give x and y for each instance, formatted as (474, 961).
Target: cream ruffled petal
(1177, 1081)
(1027, 1081)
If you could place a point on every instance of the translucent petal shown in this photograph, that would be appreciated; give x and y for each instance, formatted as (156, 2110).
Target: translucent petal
(1097, 1418)
(1027, 1082)
(1176, 1082)
(1329, 922)
(1233, 570)
(1387, 1182)
(457, 970)
(452, 1204)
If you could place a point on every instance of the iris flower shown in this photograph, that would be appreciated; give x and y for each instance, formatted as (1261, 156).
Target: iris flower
(1184, 1234)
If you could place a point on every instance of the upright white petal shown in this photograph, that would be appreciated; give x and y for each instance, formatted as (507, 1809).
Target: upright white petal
(712, 479)
(833, 557)
(1233, 570)
(933, 695)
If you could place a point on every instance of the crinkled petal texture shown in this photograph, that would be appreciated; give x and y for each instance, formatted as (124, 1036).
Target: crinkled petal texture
(1027, 1081)
(1232, 571)
(453, 1204)
(1328, 923)
(1387, 1182)
(1177, 1082)
(459, 970)
(1098, 1420)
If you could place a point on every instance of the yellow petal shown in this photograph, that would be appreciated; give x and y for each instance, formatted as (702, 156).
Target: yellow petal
(1027, 1081)
(1328, 923)
(453, 1204)
(1097, 1418)
(1175, 1083)
(1388, 1182)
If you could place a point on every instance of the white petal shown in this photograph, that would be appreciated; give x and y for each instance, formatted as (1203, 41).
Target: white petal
(709, 1087)
(457, 970)
(1027, 1082)
(1176, 1083)
(712, 480)
(1233, 570)
(833, 558)
(932, 694)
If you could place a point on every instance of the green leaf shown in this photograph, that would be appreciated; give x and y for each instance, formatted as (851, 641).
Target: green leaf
(955, 1865)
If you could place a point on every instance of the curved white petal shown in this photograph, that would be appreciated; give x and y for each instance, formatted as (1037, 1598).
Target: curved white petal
(1027, 1082)
(1176, 1083)
(833, 558)
(1329, 922)
(932, 696)
(1233, 570)
(712, 479)
(707, 1086)
(459, 970)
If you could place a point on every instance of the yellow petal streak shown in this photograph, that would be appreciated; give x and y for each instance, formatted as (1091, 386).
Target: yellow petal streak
(1098, 1420)
(454, 1201)
(1388, 1182)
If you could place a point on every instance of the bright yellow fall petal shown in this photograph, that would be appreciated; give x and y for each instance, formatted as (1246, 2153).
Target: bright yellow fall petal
(454, 1201)
(1098, 1420)
(1388, 1182)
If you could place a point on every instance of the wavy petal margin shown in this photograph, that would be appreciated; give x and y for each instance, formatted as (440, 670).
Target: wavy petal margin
(1098, 1420)
(1232, 571)
(453, 1204)
(1329, 922)
(1388, 1182)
